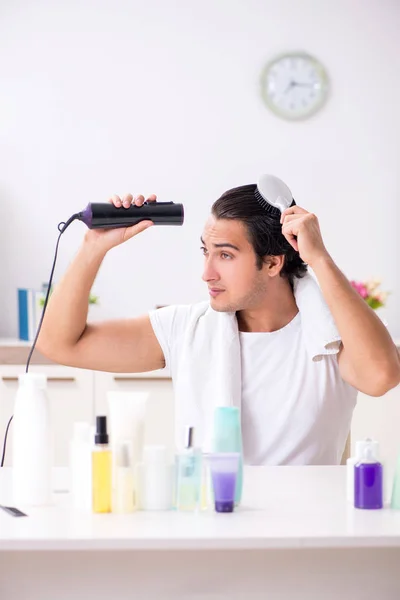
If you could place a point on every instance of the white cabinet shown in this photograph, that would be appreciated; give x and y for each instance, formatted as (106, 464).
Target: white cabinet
(70, 393)
(159, 423)
(80, 395)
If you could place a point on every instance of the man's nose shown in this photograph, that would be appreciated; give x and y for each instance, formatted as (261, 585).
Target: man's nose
(209, 272)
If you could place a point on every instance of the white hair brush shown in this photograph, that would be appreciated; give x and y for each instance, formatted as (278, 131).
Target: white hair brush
(273, 194)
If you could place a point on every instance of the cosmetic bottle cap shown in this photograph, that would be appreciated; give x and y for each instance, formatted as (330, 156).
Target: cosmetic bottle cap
(155, 455)
(101, 436)
(33, 380)
(369, 453)
(361, 445)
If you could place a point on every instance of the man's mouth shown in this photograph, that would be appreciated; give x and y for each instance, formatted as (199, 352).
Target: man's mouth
(215, 291)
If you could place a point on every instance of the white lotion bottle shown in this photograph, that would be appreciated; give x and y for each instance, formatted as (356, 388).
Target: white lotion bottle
(80, 461)
(155, 477)
(361, 446)
(32, 442)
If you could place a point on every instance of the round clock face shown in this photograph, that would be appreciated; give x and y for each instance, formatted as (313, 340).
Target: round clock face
(294, 86)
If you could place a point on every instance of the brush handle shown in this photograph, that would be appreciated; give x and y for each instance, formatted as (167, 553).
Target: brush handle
(104, 215)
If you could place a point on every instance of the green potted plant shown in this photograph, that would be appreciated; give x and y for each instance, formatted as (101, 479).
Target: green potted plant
(92, 299)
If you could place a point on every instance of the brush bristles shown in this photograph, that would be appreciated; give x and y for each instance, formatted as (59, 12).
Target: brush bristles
(272, 210)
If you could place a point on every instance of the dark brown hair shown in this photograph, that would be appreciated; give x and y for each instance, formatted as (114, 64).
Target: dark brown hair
(263, 228)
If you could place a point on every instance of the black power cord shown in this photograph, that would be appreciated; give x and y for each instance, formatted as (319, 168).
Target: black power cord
(61, 228)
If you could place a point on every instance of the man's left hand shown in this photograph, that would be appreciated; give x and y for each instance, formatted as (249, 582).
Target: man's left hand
(301, 229)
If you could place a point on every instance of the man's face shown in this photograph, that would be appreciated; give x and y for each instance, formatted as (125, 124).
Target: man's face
(230, 270)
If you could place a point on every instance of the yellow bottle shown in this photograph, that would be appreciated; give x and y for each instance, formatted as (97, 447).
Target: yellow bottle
(101, 468)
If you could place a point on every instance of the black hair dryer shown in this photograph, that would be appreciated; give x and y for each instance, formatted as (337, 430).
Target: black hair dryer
(104, 215)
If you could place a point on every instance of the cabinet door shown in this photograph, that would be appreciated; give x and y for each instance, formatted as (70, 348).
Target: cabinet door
(70, 392)
(378, 418)
(159, 425)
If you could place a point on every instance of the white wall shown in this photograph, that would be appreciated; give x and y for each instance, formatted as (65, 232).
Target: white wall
(113, 96)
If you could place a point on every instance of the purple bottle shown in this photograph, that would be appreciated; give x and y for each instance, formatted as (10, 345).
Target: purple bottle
(368, 481)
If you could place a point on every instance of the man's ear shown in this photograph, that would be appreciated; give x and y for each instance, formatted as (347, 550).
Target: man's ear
(274, 264)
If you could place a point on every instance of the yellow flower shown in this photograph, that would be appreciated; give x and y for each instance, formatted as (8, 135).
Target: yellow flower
(372, 285)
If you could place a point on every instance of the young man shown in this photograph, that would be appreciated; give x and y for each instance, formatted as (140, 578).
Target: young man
(296, 403)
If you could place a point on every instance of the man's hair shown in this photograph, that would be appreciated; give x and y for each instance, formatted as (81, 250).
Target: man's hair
(263, 228)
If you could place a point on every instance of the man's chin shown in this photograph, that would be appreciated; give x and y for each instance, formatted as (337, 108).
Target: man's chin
(220, 306)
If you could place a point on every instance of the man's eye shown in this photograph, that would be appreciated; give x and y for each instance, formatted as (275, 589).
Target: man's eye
(204, 250)
(224, 255)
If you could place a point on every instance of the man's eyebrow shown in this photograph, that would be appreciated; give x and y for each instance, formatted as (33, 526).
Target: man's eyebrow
(223, 245)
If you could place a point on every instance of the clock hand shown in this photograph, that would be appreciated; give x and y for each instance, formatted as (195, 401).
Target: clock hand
(290, 86)
(299, 84)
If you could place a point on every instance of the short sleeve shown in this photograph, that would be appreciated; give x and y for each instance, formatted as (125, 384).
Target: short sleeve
(169, 324)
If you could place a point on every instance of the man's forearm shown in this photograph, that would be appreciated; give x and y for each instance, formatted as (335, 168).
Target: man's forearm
(66, 313)
(365, 338)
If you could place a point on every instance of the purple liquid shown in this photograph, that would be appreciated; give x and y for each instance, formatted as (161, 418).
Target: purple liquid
(368, 485)
(224, 485)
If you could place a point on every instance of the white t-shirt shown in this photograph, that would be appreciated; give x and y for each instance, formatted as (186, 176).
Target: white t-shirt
(295, 411)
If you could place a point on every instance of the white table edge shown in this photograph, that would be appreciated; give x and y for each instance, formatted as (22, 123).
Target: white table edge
(288, 543)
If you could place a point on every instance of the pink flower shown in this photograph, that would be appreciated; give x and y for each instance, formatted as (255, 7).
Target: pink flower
(370, 293)
(363, 291)
(360, 288)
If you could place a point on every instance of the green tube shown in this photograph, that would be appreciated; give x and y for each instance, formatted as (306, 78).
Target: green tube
(228, 438)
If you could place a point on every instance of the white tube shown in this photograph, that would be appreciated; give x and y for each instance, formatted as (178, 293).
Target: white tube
(127, 412)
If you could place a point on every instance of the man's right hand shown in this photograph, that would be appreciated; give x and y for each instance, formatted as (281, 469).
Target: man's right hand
(119, 345)
(105, 239)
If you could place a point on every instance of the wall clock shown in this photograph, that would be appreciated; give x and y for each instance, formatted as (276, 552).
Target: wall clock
(294, 85)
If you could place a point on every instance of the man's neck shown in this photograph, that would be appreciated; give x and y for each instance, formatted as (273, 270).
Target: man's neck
(271, 315)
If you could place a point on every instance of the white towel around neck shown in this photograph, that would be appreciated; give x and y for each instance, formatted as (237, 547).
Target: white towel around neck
(209, 373)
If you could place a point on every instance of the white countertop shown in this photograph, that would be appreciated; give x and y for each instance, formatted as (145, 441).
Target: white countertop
(283, 507)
